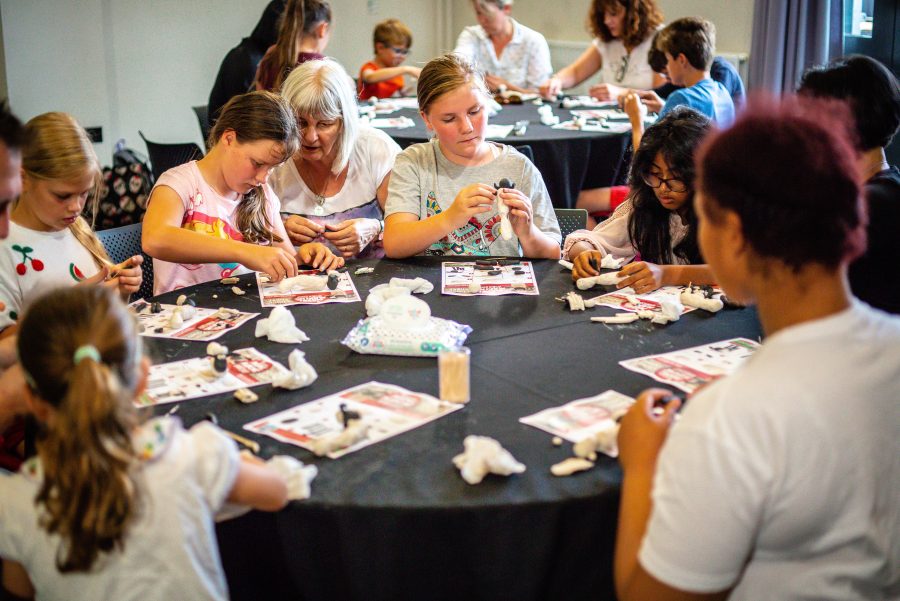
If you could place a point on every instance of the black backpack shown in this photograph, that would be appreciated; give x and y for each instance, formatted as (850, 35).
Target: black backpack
(124, 191)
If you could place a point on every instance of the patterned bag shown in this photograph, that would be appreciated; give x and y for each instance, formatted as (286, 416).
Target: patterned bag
(124, 191)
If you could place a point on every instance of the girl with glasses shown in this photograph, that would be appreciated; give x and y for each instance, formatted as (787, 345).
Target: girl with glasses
(656, 226)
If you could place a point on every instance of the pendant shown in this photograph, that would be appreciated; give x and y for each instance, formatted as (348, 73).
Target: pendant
(318, 210)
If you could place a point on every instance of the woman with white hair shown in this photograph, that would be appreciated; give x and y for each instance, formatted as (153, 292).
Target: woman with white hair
(508, 53)
(334, 188)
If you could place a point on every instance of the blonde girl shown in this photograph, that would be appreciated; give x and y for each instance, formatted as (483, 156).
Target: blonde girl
(213, 218)
(303, 34)
(442, 197)
(49, 243)
(112, 508)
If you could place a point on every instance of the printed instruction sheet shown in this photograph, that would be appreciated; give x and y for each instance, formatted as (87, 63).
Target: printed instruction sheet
(386, 410)
(296, 291)
(194, 378)
(582, 418)
(488, 278)
(205, 325)
(691, 368)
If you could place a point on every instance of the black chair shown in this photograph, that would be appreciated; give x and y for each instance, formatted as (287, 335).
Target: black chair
(124, 242)
(571, 220)
(527, 151)
(165, 156)
(202, 113)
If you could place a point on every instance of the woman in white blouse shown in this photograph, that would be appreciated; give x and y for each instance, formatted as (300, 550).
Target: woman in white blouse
(508, 53)
(623, 34)
(334, 188)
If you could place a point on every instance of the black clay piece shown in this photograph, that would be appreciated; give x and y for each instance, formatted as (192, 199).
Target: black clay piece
(333, 281)
(156, 308)
(220, 364)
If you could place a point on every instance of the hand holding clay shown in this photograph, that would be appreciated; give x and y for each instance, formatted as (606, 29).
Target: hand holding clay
(127, 275)
(643, 277)
(352, 235)
(642, 431)
(274, 261)
(521, 213)
(471, 200)
(586, 264)
(301, 230)
(319, 256)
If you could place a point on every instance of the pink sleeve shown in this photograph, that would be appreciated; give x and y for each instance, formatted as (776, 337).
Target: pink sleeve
(181, 181)
(610, 237)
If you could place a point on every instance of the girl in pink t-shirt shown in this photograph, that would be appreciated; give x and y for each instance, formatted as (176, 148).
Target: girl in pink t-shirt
(211, 218)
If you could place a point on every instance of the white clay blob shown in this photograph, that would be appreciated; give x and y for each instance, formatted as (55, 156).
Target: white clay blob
(482, 456)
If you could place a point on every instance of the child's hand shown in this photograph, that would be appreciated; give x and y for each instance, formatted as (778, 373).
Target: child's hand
(352, 235)
(643, 277)
(274, 261)
(127, 275)
(301, 230)
(581, 266)
(606, 91)
(634, 108)
(642, 433)
(471, 200)
(413, 71)
(318, 255)
(651, 100)
(521, 213)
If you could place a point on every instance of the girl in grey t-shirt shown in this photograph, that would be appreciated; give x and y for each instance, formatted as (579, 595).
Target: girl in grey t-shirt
(442, 197)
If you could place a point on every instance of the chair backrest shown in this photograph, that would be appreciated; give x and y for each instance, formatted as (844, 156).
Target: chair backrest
(527, 151)
(165, 156)
(571, 220)
(124, 242)
(202, 113)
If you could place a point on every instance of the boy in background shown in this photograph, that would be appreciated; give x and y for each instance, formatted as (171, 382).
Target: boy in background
(382, 77)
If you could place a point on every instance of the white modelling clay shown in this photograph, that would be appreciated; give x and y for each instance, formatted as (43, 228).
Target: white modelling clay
(506, 230)
(694, 297)
(280, 327)
(603, 441)
(229, 281)
(175, 321)
(567, 264)
(604, 279)
(214, 349)
(238, 291)
(381, 293)
(311, 283)
(569, 466)
(474, 287)
(187, 312)
(618, 318)
(417, 285)
(180, 300)
(297, 476)
(302, 373)
(363, 270)
(246, 396)
(557, 441)
(610, 262)
(482, 456)
(356, 430)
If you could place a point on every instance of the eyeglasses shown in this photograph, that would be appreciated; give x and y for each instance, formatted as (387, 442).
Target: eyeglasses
(403, 51)
(673, 184)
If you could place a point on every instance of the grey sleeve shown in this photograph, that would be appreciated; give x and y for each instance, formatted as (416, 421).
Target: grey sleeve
(405, 194)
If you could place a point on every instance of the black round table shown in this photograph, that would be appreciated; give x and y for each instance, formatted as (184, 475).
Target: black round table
(395, 520)
(569, 160)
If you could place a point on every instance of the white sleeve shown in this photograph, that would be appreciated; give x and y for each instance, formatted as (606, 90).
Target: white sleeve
(610, 237)
(467, 45)
(708, 498)
(539, 67)
(217, 463)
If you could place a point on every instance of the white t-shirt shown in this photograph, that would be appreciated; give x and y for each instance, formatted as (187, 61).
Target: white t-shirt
(206, 212)
(623, 68)
(524, 62)
(170, 552)
(32, 263)
(782, 480)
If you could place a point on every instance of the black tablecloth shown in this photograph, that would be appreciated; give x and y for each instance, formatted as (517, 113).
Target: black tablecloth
(569, 160)
(395, 520)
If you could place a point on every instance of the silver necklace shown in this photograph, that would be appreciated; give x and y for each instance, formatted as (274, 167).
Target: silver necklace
(319, 209)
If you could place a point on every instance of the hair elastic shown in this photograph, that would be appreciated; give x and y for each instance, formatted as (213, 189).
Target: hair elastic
(86, 351)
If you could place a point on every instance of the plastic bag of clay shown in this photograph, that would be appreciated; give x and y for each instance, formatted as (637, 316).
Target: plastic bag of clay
(405, 327)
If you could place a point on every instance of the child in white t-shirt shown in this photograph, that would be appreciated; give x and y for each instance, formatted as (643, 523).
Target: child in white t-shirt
(49, 243)
(209, 219)
(112, 508)
(779, 481)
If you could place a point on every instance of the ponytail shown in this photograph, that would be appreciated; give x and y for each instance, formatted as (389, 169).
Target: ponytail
(299, 18)
(79, 349)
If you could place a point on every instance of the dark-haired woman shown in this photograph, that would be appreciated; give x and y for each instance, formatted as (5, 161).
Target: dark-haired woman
(779, 481)
(657, 224)
(623, 34)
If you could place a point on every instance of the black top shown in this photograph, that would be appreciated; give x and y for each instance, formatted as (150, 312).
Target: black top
(872, 276)
(238, 68)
